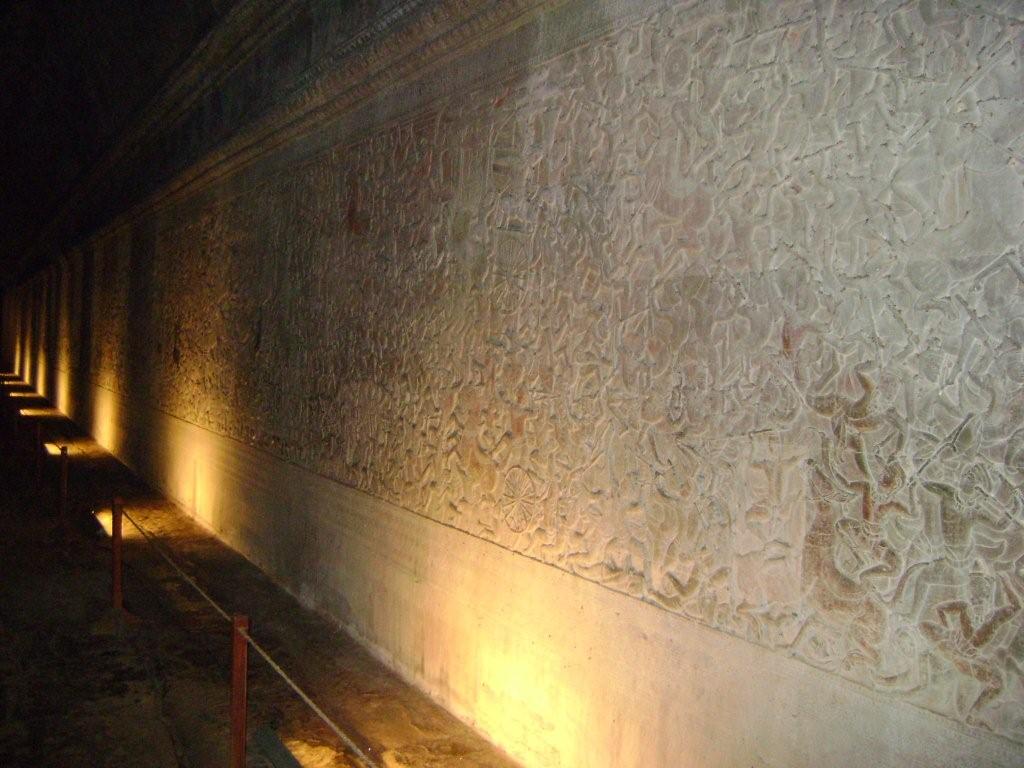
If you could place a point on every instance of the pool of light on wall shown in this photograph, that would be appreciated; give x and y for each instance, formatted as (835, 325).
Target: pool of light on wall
(191, 476)
(63, 400)
(511, 680)
(512, 670)
(41, 372)
(104, 419)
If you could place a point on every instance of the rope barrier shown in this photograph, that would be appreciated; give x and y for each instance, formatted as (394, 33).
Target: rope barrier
(311, 704)
(191, 582)
(350, 745)
(335, 729)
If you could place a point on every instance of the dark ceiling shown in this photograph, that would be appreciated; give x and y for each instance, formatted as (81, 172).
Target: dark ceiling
(72, 75)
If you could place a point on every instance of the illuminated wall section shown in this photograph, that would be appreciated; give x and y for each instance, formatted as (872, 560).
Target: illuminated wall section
(644, 381)
(12, 340)
(40, 368)
(28, 315)
(63, 321)
(19, 313)
(18, 318)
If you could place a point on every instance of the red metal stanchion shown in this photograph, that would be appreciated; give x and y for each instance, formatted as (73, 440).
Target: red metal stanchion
(116, 559)
(239, 673)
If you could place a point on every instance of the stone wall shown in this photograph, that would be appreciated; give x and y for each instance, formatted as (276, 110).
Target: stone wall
(719, 306)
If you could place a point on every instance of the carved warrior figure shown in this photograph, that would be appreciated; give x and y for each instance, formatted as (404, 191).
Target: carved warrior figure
(961, 605)
(859, 581)
(965, 627)
(858, 556)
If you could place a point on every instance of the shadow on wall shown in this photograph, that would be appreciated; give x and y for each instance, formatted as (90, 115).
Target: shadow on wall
(81, 343)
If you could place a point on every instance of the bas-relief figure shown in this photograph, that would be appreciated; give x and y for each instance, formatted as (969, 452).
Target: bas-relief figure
(724, 310)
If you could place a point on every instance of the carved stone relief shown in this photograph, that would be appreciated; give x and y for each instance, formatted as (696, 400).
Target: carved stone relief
(724, 310)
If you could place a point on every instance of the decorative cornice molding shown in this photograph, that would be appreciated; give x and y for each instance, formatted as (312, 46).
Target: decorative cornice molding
(390, 50)
(247, 26)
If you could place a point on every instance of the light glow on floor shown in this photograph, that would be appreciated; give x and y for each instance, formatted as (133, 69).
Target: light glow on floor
(41, 413)
(105, 517)
(76, 447)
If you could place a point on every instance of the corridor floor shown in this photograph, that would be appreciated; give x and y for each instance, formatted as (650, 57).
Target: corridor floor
(81, 685)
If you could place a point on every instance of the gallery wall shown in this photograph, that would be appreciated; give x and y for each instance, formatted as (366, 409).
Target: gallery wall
(633, 373)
